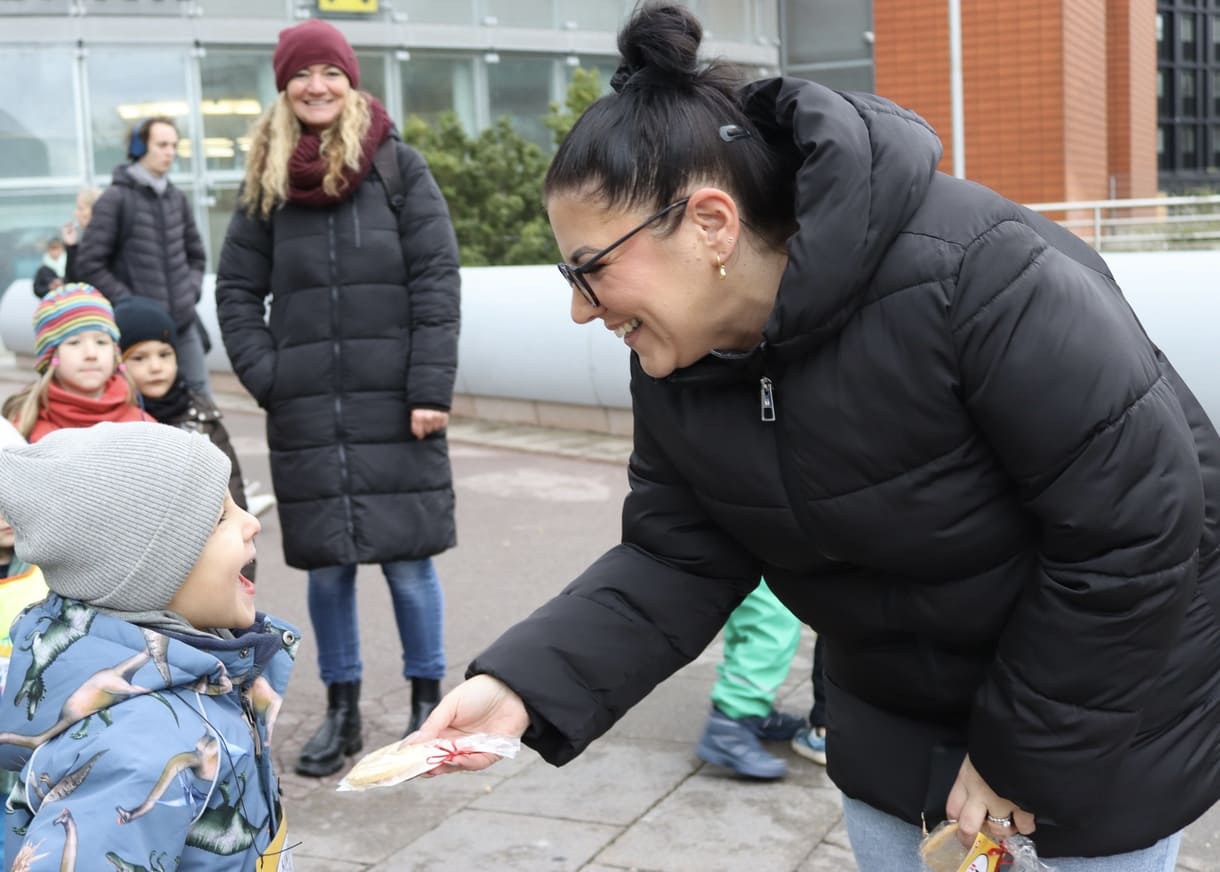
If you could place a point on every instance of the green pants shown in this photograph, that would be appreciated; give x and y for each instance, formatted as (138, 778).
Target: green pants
(760, 640)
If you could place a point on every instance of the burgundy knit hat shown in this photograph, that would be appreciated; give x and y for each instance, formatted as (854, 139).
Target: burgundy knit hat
(313, 42)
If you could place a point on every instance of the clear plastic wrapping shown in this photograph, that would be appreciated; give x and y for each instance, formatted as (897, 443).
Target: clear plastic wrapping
(941, 851)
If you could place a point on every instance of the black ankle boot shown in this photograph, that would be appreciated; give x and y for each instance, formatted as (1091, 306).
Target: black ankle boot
(339, 734)
(425, 694)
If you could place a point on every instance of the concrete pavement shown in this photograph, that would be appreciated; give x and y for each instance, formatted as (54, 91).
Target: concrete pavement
(534, 507)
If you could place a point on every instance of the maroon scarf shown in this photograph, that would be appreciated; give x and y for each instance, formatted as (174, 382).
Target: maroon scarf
(307, 166)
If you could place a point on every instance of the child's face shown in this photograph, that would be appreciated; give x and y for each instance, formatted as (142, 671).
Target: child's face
(7, 537)
(216, 595)
(86, 362)
(153, 366)
(55, 249)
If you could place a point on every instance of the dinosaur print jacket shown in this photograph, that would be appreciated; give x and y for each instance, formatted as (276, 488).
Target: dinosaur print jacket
(140, 749)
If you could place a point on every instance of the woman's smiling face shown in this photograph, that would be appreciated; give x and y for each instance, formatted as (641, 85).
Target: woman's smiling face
(317, 94)
(653, 288)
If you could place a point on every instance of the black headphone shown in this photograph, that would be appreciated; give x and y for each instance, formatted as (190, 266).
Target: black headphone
(137, 145)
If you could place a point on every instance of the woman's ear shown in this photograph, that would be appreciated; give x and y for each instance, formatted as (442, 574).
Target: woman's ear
(715, 213)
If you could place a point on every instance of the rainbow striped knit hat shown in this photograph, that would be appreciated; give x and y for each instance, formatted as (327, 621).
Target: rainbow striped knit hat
(72, 309)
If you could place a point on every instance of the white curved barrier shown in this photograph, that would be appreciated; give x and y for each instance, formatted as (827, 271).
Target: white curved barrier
(518, 341)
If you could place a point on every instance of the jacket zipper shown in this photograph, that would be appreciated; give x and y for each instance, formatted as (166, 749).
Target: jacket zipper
(337, 348)
(766, 398)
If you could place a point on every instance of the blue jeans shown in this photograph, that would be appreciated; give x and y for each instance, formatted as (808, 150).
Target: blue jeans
(883, 843)
(419, 608)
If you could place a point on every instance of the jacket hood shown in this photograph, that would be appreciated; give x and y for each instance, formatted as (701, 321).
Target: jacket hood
(120, 176)
(70, 662)
(865, 167)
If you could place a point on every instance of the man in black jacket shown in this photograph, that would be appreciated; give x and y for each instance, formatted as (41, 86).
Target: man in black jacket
(143, 242)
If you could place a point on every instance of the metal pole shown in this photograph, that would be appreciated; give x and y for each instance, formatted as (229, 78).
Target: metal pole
(955, 88)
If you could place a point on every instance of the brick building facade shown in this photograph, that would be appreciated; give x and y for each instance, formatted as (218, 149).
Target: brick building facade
(1059, 96)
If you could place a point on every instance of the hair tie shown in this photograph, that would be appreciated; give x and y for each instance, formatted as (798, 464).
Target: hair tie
(624, 74)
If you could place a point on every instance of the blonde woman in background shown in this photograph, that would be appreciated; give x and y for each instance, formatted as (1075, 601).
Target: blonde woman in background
(356, 365)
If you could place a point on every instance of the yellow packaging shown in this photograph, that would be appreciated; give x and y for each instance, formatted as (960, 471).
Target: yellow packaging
(984, 856)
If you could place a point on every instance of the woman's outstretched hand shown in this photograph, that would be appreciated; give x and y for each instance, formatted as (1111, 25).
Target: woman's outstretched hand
(976, 806)
(481, 704)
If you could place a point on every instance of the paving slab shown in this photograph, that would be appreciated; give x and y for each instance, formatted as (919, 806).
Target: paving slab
(614, 782)
(492, 840)
(711, 823)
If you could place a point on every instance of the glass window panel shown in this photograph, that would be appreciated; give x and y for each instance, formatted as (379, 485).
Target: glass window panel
(372, 73)
(244, 8)
(606, 15)
(36, 7)
(38, 135)
(131, 7)
(843, 78)
(433, 84)
(1164, 26)
(1216, 92)
(26, 223)
(767, 18)
(127, 85)
(1186, 23)
(1213, 162)
(224, 204)
(518, 13)
(432, 12)
(725, 19)
(237, 87)
(1190, 151)
(1190, 104)
(830, 30)
(520, 87)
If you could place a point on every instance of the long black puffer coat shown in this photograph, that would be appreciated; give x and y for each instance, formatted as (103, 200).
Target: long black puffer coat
(984, 486)
(154, 252)
(363, 329)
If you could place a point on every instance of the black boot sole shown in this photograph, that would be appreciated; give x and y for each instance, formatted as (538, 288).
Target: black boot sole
(321, 768)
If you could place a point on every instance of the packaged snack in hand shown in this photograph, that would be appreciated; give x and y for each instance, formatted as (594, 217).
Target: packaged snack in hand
(941, 851)
(398, 762)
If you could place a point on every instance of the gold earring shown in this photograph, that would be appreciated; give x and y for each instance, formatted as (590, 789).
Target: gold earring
(720, 267)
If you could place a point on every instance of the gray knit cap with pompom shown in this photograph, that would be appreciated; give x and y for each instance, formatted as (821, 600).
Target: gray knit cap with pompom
(115, 515)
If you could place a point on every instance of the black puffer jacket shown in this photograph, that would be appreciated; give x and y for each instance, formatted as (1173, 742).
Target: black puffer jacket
(153, 251)
(984, 486)
(363, 329)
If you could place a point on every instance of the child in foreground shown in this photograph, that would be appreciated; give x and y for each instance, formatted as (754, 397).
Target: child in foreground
(81, 381)
(20, 585)
(143, 690)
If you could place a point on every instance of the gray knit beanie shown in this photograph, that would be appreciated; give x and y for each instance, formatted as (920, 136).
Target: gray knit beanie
(115, 515)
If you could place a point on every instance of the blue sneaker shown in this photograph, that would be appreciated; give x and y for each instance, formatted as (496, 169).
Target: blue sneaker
(810, 743)
(732, 744)
(775, 726)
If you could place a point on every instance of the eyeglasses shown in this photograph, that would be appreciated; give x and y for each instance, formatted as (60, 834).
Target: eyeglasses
(575, 275)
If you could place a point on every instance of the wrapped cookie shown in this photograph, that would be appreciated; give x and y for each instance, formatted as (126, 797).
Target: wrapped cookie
(398, 762)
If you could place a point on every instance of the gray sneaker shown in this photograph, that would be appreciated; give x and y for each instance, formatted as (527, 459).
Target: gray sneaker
(733, 744)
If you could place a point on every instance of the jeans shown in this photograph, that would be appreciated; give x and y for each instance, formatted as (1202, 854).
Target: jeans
(415, 592)
(192, 361)
(883, 843)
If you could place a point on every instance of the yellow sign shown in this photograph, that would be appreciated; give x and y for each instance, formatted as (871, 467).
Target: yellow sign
(362, 7)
